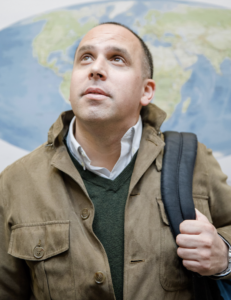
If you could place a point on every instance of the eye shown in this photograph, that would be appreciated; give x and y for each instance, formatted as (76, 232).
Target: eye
(86, 58)
(118, 59)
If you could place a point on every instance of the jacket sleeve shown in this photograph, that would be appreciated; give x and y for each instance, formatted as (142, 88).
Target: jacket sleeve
(14, 273)
(219, 199)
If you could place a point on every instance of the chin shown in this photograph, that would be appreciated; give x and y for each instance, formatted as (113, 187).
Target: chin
(92, 117)
(94, 114)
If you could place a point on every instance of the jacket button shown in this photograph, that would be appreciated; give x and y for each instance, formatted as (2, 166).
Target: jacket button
(38, 252)
(85, 214)
(99, 277)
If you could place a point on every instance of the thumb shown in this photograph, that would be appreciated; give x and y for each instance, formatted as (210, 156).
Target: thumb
(201, 217)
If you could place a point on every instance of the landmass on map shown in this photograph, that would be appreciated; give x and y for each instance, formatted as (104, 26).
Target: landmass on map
(176, 38)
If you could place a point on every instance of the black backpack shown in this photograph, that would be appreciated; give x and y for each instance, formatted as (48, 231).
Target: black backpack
(176, 188)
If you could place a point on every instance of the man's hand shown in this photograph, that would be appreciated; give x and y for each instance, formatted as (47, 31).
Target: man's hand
(200, 247)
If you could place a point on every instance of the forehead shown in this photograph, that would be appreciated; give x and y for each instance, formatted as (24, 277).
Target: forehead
(109, 34)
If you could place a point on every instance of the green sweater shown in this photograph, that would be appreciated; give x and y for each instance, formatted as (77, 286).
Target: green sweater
(109, 199)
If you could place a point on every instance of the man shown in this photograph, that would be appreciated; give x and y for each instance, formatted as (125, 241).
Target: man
(82, 215)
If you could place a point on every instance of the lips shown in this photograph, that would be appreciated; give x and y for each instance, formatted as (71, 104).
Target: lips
(95, 91)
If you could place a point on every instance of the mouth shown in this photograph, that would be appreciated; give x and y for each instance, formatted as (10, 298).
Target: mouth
(95, 93)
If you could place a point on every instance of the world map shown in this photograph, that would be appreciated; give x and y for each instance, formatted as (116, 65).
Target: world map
(191, 47)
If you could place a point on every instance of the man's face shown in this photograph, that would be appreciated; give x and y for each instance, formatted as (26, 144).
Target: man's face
(107, 82)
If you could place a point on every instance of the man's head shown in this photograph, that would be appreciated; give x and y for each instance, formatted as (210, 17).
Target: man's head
(110, 80)
(147, 60)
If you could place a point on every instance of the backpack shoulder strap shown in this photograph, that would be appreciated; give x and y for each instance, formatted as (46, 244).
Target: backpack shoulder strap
(177, 175)
(176, 188)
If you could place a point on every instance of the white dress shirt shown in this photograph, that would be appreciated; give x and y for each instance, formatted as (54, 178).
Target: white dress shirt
(130, 143)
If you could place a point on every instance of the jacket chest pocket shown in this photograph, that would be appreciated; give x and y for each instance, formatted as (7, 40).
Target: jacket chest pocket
(44, 246)
(173, 276)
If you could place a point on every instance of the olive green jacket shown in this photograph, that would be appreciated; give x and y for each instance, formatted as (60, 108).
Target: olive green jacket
(48, 249)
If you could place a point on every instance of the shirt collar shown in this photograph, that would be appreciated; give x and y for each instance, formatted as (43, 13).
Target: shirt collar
(130, 143)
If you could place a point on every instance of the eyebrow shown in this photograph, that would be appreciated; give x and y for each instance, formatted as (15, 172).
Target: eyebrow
(122, 51)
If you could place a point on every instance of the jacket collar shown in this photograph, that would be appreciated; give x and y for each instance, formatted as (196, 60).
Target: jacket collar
(150, 114)
(153, 115)
(150, 151)
(151, 146)
(59, 129)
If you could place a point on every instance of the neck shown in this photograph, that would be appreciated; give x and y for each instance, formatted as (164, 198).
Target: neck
(101, 143)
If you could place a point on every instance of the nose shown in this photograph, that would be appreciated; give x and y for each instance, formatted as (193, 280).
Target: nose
(98, 69)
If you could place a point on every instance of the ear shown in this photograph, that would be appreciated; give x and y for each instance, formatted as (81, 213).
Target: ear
(148, 92)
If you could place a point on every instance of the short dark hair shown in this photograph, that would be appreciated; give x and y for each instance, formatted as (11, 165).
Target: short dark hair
(148, 60)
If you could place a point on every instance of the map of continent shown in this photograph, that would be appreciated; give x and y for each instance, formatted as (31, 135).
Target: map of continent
(175, 38)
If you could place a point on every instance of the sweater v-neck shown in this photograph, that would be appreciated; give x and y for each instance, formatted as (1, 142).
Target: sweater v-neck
(105, 183)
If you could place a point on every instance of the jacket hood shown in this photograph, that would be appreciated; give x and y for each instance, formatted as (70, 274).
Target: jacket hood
(150, 114)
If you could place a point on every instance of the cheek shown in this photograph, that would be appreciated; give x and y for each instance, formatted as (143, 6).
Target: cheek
(77, 79)
(132, 87)
(129, 79)
(73, 84)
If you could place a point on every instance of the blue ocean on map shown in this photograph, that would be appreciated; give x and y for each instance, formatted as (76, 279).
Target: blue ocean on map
(209, 113)
(29, 93)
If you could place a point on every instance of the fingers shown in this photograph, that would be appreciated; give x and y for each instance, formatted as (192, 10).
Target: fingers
(197, 261)
(201, 217)
(200, 247)
(194, 254)
(187, 254)
(205, 253)
(195, 266)
(191, 265)
(191, 241)
(195, 227)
